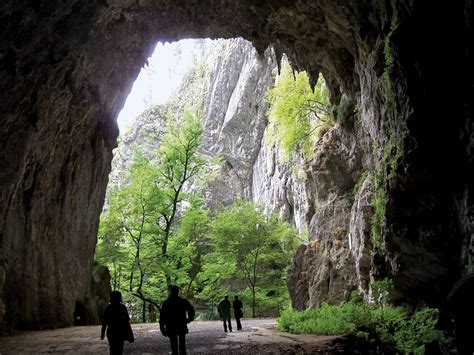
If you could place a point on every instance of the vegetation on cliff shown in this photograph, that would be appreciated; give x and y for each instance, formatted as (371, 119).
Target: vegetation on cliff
(298, 114)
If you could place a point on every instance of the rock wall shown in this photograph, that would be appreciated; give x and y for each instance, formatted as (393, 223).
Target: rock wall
(66, 68)
(227, 89)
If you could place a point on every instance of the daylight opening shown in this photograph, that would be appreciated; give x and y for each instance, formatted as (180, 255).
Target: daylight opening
(186, 202)
(192, 200)
(209, 191)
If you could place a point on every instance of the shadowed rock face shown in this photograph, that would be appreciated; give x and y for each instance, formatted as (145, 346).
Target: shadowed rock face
(400, 72)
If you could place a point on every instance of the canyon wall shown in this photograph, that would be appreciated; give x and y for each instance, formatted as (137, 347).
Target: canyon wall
(390, 185)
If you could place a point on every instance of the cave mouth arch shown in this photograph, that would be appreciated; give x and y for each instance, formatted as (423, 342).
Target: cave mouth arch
(232, 81)
(64, 85)
(96, 53)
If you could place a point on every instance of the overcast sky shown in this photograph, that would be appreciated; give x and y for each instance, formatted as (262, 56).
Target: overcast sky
(157, 81)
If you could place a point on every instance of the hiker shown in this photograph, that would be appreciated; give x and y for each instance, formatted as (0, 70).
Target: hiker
(237, 306)
(176, 312)
(117, 323)
(224, 312)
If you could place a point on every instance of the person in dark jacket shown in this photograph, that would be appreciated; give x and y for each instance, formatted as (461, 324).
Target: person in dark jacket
(237, 306)
(224, 312)
(176, 312)
(117, 323)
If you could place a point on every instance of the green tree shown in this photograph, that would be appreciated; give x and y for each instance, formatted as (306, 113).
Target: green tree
(193, 243)
(140, 220)
(297, 115)
(255, 246)
(180, 163)
(128, 226)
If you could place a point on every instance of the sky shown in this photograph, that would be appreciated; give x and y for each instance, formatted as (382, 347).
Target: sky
(157, 81)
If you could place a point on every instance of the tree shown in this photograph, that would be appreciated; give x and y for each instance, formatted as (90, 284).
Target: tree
(256, 245)
(139, 221)
(180, 163)
(298, 115)
(129, 223)
(192, 241)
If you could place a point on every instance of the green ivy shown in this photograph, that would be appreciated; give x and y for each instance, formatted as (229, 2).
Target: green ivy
(379, 202)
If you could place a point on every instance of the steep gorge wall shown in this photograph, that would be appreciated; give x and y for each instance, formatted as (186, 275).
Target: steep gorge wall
(227, 88)
(63, 85)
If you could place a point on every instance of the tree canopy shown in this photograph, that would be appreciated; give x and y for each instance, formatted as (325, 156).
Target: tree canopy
(155, 231)
(255, 247)
(140, 221)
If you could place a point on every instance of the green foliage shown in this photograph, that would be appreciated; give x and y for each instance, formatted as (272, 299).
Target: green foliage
(255, 246)
(192, 242)
(138, 234)
(379, 203)
(381, 290)
(155, 232)
(325, 320)
(297, 115)
(418, 330)
(391, 327)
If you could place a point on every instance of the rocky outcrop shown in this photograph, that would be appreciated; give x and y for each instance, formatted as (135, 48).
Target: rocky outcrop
(228, 90)
(327, 262)
(234, 110)
(98, 295)
(67, 67)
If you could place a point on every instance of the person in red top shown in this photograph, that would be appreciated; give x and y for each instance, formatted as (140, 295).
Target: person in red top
(176, 312)
(117, 323)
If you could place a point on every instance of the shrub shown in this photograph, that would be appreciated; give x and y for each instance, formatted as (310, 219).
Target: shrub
(391, 327)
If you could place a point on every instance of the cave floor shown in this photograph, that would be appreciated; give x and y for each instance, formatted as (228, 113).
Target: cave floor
(258, 336)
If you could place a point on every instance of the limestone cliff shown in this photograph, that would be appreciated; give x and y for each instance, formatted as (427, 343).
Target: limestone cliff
(228, 89)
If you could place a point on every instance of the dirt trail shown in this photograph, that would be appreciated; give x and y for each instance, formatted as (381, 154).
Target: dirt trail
(258, 336)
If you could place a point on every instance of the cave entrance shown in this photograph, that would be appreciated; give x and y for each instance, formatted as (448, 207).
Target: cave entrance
(79, 314)
(66, 134)
(187, 202)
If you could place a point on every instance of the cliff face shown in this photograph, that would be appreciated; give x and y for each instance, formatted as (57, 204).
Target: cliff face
(229, 88)
(396, 174)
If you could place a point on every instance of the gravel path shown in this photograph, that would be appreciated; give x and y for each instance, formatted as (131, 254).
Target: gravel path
(258, 336)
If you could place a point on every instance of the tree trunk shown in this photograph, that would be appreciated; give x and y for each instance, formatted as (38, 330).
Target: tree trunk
(254, 304)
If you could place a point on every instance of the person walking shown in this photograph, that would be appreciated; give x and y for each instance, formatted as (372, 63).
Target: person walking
(117, 323)
(176, 312)
(224, 312)
(238, 313)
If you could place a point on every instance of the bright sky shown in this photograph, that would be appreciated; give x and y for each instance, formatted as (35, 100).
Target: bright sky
(157, 81)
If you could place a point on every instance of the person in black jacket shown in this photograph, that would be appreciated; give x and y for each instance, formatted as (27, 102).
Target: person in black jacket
(224, 312)
(117, 323)
(237, 306)
(175, 314)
